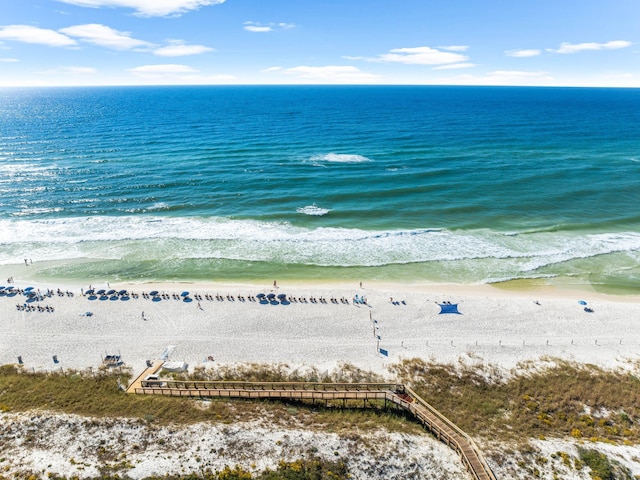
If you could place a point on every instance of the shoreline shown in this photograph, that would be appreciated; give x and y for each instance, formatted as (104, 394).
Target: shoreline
(556, 286)
(77, 272)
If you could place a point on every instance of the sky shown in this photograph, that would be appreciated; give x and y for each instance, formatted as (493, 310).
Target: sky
(235, 42)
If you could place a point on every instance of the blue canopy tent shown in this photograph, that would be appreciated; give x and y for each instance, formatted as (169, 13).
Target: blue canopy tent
(449, 308)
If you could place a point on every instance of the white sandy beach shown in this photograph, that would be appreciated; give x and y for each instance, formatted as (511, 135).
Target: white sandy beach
(494, 326)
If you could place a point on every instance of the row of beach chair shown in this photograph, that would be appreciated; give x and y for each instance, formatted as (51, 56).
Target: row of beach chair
(33, 308)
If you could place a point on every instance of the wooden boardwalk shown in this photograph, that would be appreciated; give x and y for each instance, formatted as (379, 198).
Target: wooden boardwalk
(399, 394)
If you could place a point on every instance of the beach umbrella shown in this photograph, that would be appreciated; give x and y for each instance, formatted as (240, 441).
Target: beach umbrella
(111, 292)
(101, 291)
(2, 287)
(122, 292)
(92, 297)
(124, 298)
(153, 293)
(104, 297)
(271, 296)
(582, 302)
(261, 295)
(28, 289)
(90, 291)
(10, 287)
(156, 298)
(187, 299)
(184, 294)
(282, 296)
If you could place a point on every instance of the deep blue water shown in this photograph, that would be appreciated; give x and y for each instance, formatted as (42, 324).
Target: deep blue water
(446, 184)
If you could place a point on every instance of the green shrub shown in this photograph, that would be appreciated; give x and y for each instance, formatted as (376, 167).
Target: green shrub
(602, 468)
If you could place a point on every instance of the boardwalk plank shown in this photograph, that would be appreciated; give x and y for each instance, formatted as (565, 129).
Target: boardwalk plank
(399, 394)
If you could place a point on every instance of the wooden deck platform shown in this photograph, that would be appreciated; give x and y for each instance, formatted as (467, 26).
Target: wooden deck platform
(399, 394)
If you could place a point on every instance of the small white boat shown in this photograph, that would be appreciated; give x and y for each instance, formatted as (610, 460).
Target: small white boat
(313, 210)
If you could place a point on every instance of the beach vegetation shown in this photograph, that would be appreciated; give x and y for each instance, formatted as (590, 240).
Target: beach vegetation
(314, 468)
(96, 394)
(602, 467)
(563, 399)
(560, 400)
(279, 372)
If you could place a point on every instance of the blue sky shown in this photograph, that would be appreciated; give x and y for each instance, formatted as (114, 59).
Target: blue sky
(453, 42)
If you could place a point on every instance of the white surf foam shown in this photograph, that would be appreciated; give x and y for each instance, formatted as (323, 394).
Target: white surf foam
(340, 158)
(313, 210)
(157, 238)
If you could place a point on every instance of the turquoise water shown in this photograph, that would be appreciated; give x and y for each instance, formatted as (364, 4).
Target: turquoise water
(443, 184)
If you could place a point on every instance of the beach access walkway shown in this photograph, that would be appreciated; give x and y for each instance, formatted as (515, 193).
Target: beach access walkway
(443, 428)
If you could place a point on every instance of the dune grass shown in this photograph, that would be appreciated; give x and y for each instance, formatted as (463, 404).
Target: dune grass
(97, 394)
(561, 400)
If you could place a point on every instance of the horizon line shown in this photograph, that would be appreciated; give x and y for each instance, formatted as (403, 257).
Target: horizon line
(310, 85)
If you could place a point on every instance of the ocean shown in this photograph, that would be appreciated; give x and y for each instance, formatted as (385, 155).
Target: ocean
(409, 184)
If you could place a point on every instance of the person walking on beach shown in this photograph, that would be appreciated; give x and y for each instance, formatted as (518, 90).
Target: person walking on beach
(143, 317)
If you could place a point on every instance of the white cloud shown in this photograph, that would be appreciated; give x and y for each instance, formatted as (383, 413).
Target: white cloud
(566, 47)
(165, 69)
(420, 56)
(178, 48)
(530, 52)
(40, 36)
(148, 8)
(9, 60)
(260, 28)
(331, 73)
(455, 66)
(70, 71)
(256, 28)
(105, 36)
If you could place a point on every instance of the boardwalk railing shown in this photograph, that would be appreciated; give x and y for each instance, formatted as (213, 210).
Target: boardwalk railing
(399, 394)
(284, 390)
(449, 433)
